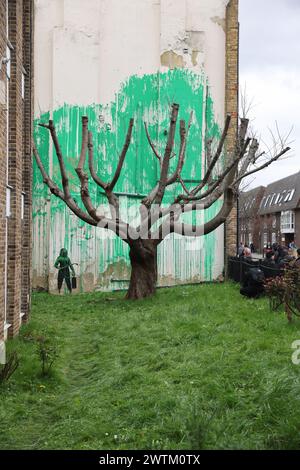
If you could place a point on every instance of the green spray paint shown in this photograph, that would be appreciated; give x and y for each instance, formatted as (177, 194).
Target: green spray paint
(145, 98)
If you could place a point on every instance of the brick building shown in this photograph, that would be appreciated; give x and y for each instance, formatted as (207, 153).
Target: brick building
(280, 212)
(16, 75)
(272, 214)
(249, 220)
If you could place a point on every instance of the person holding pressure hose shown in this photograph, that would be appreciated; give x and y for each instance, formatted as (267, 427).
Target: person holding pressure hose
(64, 265)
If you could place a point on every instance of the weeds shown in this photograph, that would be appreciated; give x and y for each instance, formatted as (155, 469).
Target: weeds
(47, 354)
(8, 369)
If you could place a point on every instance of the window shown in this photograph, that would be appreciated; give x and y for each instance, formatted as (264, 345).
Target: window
(289, 195)
(272, 199)
(8, 210)
(273, 237)
(274, 222)
(287, 222)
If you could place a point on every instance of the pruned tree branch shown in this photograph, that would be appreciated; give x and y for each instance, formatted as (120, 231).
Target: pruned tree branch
(183, 142)
(122, 156)
(94, 175)
(92, 218)
(151, 143)
(58, 193)
(265, 165)
(83, 177)
(166, 159)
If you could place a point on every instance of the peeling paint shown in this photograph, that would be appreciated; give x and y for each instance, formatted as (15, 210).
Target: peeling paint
(172, 60)
(194, 57)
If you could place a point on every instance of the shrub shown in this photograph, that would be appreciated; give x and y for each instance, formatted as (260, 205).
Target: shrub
(7, 370)
(285, 290)
(47, 354)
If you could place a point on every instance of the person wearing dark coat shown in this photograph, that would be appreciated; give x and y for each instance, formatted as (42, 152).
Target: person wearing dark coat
(268, 260)
(253, 284)
(280, 254)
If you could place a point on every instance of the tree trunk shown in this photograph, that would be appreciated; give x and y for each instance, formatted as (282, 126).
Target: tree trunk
(143, 258)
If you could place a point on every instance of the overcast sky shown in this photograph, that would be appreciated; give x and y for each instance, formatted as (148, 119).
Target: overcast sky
(270, 70)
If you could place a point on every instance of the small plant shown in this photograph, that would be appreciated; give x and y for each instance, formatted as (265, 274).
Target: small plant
(47, 354)
(7, 370)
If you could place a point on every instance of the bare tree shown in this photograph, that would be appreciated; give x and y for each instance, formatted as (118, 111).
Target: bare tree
(221, 181)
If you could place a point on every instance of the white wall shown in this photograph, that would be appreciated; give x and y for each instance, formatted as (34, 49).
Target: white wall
(85, 50)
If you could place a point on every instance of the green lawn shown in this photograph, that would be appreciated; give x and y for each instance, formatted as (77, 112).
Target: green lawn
(193, 367)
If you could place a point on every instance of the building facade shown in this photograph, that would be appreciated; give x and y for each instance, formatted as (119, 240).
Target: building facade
(249, 220)
(16, 113)
(280, 212)
(113, 60)
(272, 214)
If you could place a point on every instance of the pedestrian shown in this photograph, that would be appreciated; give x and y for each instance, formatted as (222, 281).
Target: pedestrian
(63, 264)
(247, 252)
(297, 262)
(241, 250)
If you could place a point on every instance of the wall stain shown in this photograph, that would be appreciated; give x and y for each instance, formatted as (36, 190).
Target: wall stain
(220, 21)
(195, 57)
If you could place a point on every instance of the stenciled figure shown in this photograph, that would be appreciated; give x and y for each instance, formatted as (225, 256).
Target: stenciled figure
(63, 264)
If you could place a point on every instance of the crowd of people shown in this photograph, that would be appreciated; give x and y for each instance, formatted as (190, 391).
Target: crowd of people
(273, 254)
(277, 256)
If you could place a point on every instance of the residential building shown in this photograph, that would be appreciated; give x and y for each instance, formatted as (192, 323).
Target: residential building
(280, 212)
(272, 214)
(16, 112)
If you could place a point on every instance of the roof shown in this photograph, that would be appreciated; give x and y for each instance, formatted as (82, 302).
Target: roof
(282, 195)
(249, 201)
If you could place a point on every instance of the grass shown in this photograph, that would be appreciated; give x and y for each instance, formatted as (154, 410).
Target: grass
(193, 367)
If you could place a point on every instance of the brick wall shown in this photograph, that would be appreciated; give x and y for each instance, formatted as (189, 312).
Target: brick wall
(3, 163)
(231, 100)
(28, 18)
(267, 229)
(19, 164)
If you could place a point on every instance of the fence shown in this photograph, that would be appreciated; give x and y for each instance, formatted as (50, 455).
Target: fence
(237, 268)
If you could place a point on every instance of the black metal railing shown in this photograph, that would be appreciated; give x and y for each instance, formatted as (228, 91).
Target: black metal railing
(237, 268)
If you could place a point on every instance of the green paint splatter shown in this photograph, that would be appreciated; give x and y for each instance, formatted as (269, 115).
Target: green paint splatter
(146, 98)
